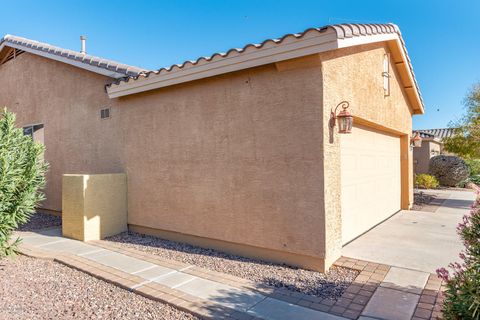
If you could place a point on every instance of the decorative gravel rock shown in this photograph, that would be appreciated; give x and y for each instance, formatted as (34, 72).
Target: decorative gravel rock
(39, 289)
(41, 221)
(329, 285)
(449, 170)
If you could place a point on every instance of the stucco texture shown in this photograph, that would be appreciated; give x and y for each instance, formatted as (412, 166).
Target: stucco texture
(94, 206)
(244, 159)
(422, 155)
(355, 74)
(236, 157)
(67, 101)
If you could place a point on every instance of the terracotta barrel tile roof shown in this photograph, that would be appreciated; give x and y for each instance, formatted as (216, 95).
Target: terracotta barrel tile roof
(423, 135)
(439, 133)
(37, 47)
(343, 31)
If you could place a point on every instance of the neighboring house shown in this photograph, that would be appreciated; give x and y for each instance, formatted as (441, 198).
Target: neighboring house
(234, 151)
(432, 145)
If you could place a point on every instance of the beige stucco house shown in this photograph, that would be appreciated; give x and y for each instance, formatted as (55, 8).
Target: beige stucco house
(233, 151)
(432, 145)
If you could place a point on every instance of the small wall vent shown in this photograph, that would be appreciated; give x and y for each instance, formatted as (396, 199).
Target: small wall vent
(105, 113)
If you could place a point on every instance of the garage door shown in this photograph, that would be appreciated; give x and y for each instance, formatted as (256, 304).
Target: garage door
(370, 179)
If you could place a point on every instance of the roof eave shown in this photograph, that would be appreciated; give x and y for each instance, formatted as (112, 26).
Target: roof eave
(312, 41)
(306, 45)
(4, 42)
(79, 64)
(409, 84)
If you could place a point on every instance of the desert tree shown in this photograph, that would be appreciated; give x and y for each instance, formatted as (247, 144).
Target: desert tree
(466, 139)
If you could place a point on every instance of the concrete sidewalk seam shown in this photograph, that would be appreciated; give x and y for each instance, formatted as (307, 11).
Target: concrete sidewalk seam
(53, 242)
(144, 269)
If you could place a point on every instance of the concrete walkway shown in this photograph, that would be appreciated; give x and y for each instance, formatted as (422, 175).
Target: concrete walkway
(396, 261)
(237, 302)
(416, 240)
(415, 244)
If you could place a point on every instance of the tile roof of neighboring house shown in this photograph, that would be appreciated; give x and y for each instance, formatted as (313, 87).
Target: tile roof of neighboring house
(96, 64)
(350, 33)
(439, 133)
(423, 135)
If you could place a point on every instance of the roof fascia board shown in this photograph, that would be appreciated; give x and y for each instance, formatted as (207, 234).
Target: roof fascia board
(355, 41)
(299, 47)
(78, 64)
(272, 53)
(406, 65)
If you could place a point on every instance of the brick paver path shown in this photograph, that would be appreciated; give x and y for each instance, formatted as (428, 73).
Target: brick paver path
(205, 293)
(379, 291)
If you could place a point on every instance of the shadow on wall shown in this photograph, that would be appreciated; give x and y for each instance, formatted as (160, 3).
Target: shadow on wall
(94, 206)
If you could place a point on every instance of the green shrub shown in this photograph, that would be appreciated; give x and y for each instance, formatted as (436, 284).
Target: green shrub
(462, 294)
(426, 181)
(475, 179)
(22, 172)
(474, 165)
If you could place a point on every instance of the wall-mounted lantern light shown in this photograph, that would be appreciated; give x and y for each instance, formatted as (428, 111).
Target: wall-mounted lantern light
(345, 118)
(416, 140)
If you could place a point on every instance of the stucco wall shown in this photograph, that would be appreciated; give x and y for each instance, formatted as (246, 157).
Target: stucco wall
(241, 158)
(422, 155)
(94, 206)
(236, 158)
(67, 101)
(355, 74)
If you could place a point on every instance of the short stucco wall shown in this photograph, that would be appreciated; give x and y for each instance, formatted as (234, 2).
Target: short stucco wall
(94, 206)
(423, 154)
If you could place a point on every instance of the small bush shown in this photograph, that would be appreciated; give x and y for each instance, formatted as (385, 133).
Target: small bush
(474, 166)
(462, 294)
(475, 179)
(21, 178)
(450, 171)
(426, 181)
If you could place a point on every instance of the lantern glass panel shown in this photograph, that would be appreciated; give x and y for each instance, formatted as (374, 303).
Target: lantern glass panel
(345, 124)
(349, 123)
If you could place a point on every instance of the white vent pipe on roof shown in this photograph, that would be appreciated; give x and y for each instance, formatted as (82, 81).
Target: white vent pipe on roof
(83, 39)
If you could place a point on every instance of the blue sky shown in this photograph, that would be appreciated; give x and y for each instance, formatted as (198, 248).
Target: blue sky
(442, 37)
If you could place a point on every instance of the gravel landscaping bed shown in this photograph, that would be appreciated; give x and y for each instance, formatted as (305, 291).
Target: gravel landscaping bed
(330, 285)
(39, 289)
(41, 221)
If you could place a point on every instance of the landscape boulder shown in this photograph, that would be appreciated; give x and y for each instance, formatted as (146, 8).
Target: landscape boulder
(449, 170)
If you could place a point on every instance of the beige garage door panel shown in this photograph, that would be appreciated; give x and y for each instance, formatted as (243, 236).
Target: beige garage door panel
(370, 178)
